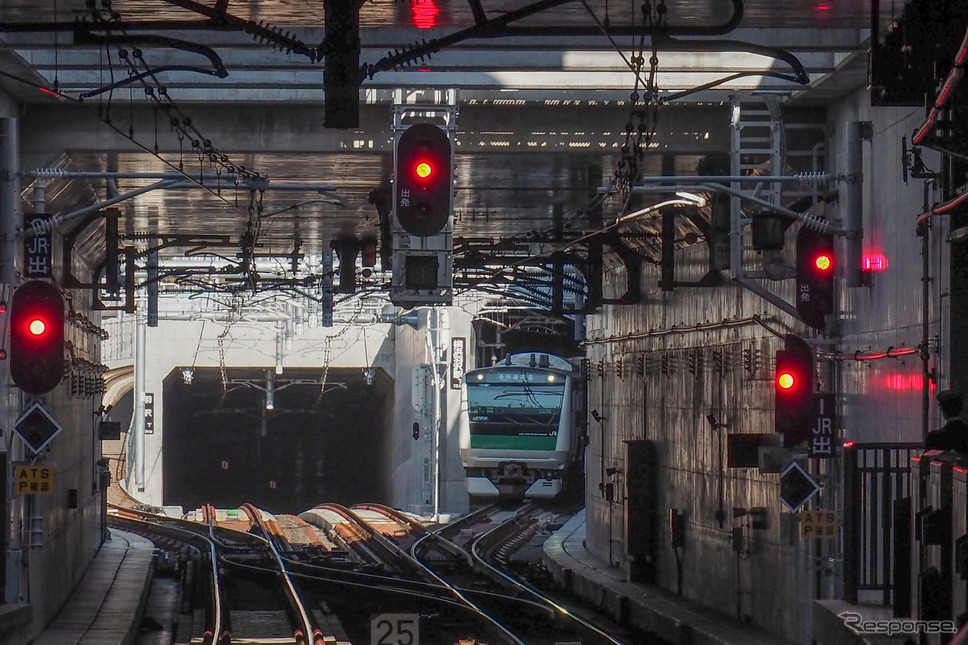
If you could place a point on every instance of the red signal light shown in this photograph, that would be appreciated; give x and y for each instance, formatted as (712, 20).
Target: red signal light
(37, 337)
(424, 170)
(793, 388)
(874, 262)
(425, 13)
(785, 380)
(815, 277)
(423, 198)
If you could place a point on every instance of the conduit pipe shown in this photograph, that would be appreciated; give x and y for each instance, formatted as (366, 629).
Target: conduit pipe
(857, 131)
(49, 225)
(266, 317)
(57, 173)
(9, 192)
(166, 180)
(810, 221)
(922, 230)
(943, 208)
(944, 93)
(802, 177)
(676, 329)
(769, 296)
(259, 183)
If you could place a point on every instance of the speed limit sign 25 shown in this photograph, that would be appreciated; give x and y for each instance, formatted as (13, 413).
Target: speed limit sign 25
(395, 629)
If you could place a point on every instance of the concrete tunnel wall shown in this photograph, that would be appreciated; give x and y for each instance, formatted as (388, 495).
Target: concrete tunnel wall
(728, 371)
(395, 349)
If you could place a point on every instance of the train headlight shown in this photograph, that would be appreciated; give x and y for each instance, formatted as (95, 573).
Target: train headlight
(480, 377)
(551, 378)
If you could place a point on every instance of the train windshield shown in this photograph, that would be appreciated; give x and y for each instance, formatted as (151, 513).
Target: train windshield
(515, 416)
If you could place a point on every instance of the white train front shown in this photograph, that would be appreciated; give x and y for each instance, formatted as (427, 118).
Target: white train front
(519, 426)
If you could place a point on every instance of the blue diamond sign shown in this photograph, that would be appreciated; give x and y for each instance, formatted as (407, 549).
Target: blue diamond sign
(796, 487)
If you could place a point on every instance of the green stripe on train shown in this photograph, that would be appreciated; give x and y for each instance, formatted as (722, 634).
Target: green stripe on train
(505, 442)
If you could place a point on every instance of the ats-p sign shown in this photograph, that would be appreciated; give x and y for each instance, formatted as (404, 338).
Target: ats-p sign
(33, 480)
(819, 524)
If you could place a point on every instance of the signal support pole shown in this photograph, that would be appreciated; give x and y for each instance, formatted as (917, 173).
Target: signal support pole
(141, 327)
(9, 190)
(434, 332)
(856, 133)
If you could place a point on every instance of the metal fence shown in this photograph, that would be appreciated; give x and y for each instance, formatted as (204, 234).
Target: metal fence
(877, 520)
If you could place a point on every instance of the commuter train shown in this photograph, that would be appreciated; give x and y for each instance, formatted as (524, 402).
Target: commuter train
(521, 426)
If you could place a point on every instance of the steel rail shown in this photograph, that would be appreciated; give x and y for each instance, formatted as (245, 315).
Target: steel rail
(292, 594)
(459, 594)
(438, 534)
(448, 545)
(381, 548)
(378, 581)
(417, 588)
(418, 528)
(296, 568)
(360, 548)
(497, 534)
(179, 529)
(220, 633)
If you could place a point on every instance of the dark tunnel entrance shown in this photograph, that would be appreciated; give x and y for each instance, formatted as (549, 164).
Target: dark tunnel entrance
(222, 446)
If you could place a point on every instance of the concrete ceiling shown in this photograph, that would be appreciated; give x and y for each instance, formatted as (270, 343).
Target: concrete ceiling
(542, 117)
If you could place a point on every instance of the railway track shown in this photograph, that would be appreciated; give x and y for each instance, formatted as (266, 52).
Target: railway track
(493, 627)
(460, 593)
(528, 613)
(253, 586)
(445, 615)
(243, 584)
(293, 610)
(202, 592)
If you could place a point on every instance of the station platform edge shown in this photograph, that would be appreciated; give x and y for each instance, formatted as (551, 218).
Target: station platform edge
(107, 605)
(646, 607)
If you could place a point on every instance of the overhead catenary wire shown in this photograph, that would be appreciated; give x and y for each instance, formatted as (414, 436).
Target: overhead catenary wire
(153, 93)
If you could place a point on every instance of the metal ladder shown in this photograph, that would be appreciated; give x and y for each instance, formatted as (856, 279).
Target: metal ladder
(759, 145)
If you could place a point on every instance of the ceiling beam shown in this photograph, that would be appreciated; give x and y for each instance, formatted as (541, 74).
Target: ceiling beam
(568, 129)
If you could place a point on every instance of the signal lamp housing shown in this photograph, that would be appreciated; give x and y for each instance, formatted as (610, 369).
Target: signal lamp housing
(423, 191)
(793, 387)
(37, 337)
(815, 266)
